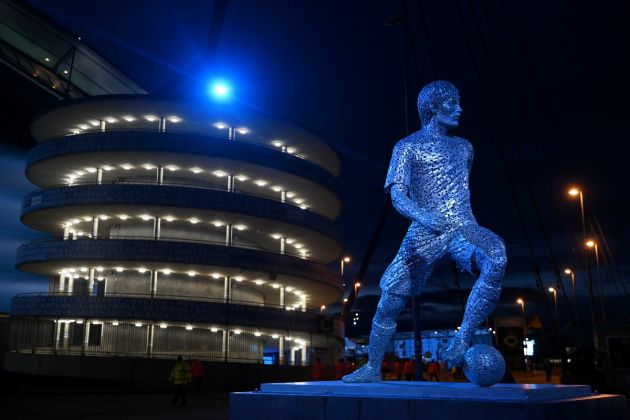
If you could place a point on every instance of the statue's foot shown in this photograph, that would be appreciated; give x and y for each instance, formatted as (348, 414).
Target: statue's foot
(362, 375)
(454, 354)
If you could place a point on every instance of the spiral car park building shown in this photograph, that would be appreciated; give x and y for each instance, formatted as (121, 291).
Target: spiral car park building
(175, 228)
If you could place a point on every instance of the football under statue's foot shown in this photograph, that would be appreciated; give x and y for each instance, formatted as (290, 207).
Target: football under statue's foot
(454, 354)
(363, 375)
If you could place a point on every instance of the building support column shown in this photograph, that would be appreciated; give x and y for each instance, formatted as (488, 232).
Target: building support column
(95, 227)
(225, 344)
(231, 133)
(70, 283)
(227, 289)
(86, 336)
(102, 125)
(162, 125)
(230, 183)
(283, 244)
(66, 335)
(283, 196)
(90, 289)
(303, 351)
(229, 234)
(157, 227)
(159, 175)
(66, 231)
(282, 296)
(150, 330)
(303, 302)
(99, 176)
(57, 335)
(281, 350)
(62, 282)
(153, 283)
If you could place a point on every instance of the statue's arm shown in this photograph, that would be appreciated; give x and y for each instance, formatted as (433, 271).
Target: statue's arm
(409, 209)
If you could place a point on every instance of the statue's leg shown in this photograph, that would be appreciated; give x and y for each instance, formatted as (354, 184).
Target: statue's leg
(484, 295)
(383, 328)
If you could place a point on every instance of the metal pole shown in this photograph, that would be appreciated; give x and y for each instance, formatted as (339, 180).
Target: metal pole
(601, 284)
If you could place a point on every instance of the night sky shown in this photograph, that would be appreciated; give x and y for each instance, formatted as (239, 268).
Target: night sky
(544, 83)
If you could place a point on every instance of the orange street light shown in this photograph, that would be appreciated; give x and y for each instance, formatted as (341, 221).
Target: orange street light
(344, 260)
(570, 272)
(575, 192)
(590, 243)
(522, 303)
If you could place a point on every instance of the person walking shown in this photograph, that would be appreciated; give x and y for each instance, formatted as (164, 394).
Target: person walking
(180, 376)
(198, 372)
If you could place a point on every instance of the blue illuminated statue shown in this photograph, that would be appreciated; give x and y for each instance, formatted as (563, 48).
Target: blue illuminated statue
(428, 182)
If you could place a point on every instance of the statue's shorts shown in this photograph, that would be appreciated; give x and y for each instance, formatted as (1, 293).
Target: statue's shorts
(422, 249)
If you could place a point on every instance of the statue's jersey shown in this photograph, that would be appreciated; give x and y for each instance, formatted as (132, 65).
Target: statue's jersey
(435, 172)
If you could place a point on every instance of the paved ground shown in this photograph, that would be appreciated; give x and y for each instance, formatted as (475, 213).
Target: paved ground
(114, 406)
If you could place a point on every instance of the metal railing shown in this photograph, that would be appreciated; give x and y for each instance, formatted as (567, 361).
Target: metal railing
(96, 130)
(175, 239)
(170, 184)
(157, 296)
(52, 336)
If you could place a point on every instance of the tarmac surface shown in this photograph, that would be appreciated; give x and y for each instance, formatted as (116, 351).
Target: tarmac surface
(114, 406)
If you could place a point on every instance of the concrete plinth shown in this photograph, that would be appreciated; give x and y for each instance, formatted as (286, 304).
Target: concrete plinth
(332, 400)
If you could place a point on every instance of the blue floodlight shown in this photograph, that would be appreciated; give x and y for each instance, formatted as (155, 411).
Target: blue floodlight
(220, 90)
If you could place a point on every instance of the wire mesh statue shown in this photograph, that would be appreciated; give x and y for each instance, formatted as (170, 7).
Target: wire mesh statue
(428, 183)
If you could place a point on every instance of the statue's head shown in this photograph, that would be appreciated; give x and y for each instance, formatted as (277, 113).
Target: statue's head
(439, 99)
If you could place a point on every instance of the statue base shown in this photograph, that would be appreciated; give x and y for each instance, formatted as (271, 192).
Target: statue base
(332, 400)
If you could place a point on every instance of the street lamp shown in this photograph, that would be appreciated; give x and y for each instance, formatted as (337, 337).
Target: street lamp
(576, 192)
(357, 286)
(555, 312)
(522, 303)
(590, 243)
(570, 272)
(344, 260)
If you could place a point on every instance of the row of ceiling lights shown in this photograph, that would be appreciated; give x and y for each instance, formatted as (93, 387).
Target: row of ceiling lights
(193, 220)
(196, 170)
(74, 272)
(188, 327)
(176, 119)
